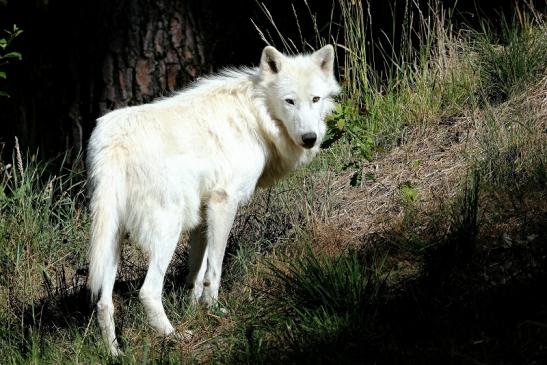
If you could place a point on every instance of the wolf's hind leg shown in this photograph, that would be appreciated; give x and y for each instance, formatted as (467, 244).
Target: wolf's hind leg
(221, 211)
(162, 244)
(105, 306)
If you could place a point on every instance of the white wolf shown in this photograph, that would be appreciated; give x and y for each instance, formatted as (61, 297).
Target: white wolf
(187, 162)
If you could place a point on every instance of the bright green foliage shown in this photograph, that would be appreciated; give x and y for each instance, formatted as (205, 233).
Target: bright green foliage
(347, 119)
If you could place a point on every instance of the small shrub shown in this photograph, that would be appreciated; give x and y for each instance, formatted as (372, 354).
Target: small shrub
(347, 120)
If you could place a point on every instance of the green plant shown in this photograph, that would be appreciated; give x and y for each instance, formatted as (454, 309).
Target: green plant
(41, 230)
(5, 56)
(347, 120)
(408, 191)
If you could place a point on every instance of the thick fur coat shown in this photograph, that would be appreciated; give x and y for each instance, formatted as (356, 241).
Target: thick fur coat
(185, 163)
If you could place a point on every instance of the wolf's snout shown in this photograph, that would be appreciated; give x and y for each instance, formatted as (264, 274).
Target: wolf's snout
(309, 139)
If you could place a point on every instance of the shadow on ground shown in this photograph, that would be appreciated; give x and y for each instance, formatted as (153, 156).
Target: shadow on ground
(488, 307)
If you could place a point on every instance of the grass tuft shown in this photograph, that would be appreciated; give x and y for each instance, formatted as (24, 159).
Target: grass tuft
(510, 58)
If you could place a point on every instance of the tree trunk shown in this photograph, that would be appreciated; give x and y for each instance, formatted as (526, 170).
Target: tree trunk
(155, 48)
(82, 59)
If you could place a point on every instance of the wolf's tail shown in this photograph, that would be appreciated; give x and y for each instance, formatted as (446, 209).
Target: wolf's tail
(107, 187)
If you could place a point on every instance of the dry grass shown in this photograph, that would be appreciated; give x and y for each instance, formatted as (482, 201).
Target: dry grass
(433, 163)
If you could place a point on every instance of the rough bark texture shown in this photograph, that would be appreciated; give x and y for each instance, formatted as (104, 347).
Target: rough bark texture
(82, 59)
(157, 47)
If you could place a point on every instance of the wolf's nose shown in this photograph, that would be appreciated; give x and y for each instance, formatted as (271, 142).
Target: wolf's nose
(309, 139)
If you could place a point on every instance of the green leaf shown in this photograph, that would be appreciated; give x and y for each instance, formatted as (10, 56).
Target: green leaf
(2, 75)
(13, 55)
(333, 135)
(2, 93)
(3, 43)
(340, 123)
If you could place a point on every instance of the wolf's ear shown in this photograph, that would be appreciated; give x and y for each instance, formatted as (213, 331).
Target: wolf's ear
(324, 57)
(271, 60)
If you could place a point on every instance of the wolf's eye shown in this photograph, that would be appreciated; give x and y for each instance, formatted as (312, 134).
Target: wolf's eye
(289, 101)
(315, 99)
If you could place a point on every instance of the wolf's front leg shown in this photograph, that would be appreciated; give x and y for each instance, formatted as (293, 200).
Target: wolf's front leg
(221, 211)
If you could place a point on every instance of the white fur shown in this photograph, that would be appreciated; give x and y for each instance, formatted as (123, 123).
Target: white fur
(187, 162)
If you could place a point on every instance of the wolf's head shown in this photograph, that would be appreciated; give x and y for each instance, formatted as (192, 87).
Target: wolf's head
(299, 91)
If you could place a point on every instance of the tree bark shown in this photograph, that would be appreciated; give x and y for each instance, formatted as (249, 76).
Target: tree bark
(83, 59)
(155, 48)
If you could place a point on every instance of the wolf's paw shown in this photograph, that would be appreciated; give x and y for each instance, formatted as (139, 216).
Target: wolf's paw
(207, 301)
(196, 291)
(208, 297)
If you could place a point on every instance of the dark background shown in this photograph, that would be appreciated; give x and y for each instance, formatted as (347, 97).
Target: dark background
(84, 58)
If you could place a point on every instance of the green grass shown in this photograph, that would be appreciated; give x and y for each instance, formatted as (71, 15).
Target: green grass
(42, 226)
(425, 81)
(512, 148)
(512, 58)
(312, 301)
(467, 266)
